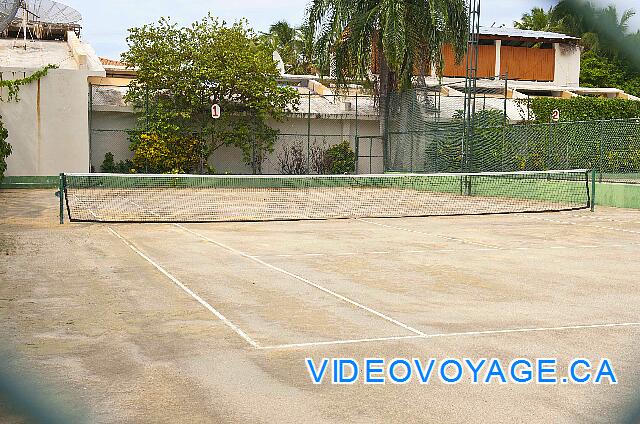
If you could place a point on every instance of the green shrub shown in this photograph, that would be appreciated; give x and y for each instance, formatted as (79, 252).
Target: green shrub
(5, 149)
(166, 153)
(341, 158)
(109, 165)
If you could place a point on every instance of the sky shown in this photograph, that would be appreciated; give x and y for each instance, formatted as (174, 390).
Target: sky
(105, 22)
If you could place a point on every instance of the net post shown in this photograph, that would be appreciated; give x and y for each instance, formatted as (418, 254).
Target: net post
(61, 196)
(593, 190)
(357, 139)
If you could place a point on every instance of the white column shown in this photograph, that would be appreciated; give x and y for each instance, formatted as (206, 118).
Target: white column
(497, 69)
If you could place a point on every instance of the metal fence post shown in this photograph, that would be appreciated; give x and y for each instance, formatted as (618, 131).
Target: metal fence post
(61, 196)
(146, 108)
(357, 140)
(90, 124)
(309, 135)
(506, 91)
(385, 140)
(549, 145)
(593, 190)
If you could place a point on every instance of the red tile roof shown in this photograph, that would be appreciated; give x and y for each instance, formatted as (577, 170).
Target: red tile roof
(111, 62)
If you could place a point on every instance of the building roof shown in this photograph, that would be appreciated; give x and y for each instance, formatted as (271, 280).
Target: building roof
(111, 62)
(117, 69)
(502, 32)
(38, 54)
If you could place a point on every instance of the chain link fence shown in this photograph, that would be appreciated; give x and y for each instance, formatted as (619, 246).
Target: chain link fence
(304, 137)
(425, 133)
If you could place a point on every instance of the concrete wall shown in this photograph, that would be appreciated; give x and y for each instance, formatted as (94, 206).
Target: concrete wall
(48, 127)
(324, 132)
(567, 65)
(108, 135)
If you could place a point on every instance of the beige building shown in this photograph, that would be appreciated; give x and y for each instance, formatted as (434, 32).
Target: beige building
(49, 126)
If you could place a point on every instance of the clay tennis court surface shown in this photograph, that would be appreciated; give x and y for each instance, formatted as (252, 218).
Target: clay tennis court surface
(212, 322)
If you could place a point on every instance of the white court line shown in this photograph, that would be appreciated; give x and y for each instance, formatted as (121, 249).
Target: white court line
(393, 227)
(622, 230)
(304, 280)
(603, 218)
(188, 291)
(459, 334)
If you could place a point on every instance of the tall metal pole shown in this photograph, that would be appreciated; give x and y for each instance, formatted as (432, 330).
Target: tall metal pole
(470, 85)
(309, 135)
(357, 139)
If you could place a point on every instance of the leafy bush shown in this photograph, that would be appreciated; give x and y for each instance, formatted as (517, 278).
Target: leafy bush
(166, 154)
(109, 165)
(597, 70)
(341, 159)
(5, 149)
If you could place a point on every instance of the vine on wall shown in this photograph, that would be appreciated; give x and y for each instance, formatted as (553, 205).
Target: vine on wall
(13, 90)
(13, 86)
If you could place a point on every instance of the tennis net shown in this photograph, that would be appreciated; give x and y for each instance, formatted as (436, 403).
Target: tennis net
(205, 198)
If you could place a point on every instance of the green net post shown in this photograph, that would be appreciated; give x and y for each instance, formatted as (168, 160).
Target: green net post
(61, 196)
(593, 190)
(357, 146)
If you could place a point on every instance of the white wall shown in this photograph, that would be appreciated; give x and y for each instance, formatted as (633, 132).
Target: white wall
(108, 135)
(567, 65)
(48, 127)
(324, 131)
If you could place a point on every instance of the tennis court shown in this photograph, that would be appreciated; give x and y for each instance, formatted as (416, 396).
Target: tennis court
(179, 321)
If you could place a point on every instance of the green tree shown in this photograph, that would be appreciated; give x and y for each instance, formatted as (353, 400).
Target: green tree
(539, 20)
(611, 55)
(340, 158)
(406, 34)
(307, 50)
(295, 46)
(282, 38)
(180, 69)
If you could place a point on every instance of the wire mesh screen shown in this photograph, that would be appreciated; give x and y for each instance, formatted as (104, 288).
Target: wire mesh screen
(109, 151)
(424, 134)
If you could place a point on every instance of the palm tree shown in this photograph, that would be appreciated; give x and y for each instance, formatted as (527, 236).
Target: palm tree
(282, 38)
(611, 29)
(601, 30)
(284, 32)
(538, 20)
(404, 33)
(305, 46)
(296, 46)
